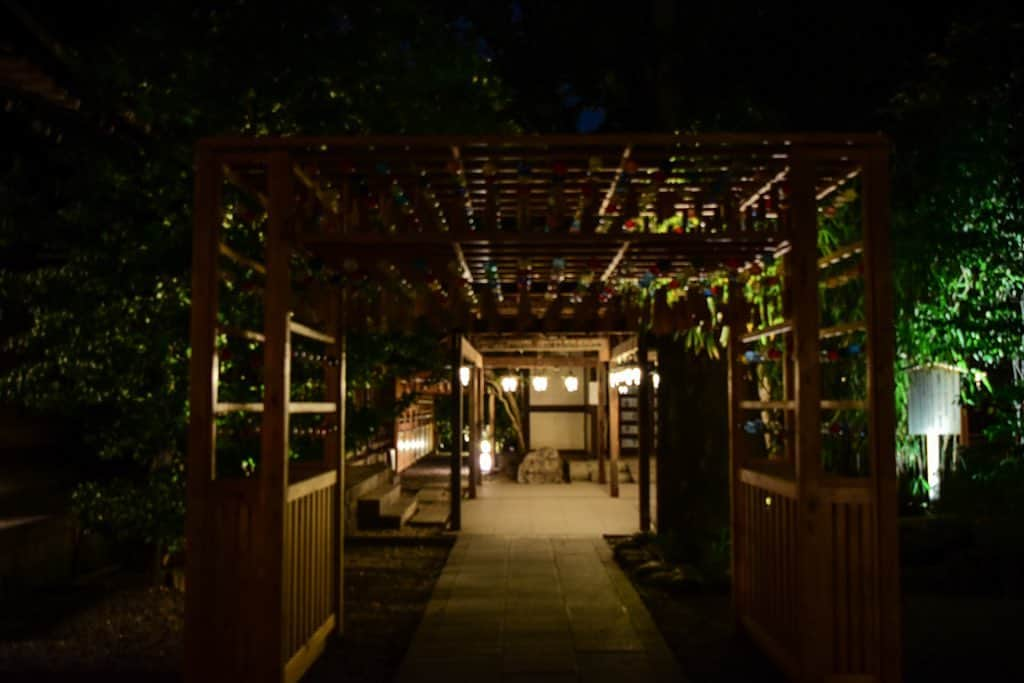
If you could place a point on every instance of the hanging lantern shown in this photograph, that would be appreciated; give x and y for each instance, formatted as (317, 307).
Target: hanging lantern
(509, 383)
(655, 379)
(539, 383)
(933, 405)
(464, 376)
(572, 384)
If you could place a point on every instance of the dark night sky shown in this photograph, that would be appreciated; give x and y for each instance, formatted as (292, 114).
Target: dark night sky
(657, 64)
(662, 65)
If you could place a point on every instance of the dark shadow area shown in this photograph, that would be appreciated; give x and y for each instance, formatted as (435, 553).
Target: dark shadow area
(120, 628)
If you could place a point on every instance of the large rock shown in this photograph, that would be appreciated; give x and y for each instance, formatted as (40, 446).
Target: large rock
(542, 466)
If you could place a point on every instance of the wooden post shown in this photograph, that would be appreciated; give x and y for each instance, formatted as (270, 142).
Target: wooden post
(271, 568)
(813, 514)
(455, 480)
(602, 412)
(492, 420)
(474, 429)
(524, 409)
(336, 442)
(202, 399)
(644, 433)
(482, 424)
(882, 426)
(738, 454)
(613, 443)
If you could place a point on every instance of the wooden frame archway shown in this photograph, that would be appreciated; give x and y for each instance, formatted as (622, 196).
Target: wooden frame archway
(815, 550)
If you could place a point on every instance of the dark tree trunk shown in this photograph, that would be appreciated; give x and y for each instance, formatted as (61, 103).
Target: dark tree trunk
(693, 450)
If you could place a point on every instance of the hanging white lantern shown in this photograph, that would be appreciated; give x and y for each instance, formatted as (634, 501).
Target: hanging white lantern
(655, 379)
(509, 383)
(572, 384)
(933, 406)
(464, 376)
(539, 383)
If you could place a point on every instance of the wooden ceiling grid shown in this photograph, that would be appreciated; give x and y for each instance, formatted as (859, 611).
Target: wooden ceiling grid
(566, 207)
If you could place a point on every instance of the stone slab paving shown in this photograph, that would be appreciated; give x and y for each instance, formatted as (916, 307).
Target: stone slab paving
(506, 508)
(535, 608)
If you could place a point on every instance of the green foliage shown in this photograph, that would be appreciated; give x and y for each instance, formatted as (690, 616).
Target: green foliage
(99, 215)
(986, 484)
(150, 509)
(958, 238)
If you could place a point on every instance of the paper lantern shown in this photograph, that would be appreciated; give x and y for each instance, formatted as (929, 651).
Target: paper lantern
(934, 400)
(934, 409)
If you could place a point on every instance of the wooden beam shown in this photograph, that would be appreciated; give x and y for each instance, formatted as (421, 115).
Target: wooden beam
(310, 333)
(461, 173)
(624, 349)
(469, 352)
(402, 145)
(242, 260)
(538, 342)
(460, 256)
(606, 202)
(546, 361)
(619, 255)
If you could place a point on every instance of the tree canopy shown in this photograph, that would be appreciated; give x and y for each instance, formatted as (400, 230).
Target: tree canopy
(96, 206)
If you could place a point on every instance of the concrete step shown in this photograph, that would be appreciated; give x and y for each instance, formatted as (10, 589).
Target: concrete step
(397, 513)
(372, 506)
(431, 515)
(361, 480)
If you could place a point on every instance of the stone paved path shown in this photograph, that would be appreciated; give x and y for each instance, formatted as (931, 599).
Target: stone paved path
(515, 608)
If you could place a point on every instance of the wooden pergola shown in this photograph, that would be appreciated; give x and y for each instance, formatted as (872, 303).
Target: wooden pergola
(521, 243)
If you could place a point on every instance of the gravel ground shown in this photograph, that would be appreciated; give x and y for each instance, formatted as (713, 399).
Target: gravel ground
(700, 630)
(120, 629)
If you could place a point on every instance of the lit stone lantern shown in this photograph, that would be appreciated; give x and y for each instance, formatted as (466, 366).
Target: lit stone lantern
(934, 409)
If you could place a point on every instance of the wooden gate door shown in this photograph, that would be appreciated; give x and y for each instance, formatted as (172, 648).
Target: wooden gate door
(815, 555)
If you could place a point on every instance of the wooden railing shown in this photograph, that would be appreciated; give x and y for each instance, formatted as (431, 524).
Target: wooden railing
(854, 588)
(767, 580)
(310, 571)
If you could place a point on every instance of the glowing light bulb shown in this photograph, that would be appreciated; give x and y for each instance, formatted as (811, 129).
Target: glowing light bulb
(464, 376)
(509, 383)
(486, 456)
(540, 383)
(572, 383)
(655, 379)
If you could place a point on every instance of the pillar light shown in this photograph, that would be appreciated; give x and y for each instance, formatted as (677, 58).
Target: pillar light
(509, 383)
(539, 383)
(572, 383)
(464, 375)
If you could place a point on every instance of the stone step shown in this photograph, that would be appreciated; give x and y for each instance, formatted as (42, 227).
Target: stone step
(431, 515)
(397, 513)
(372, 506)
(361, 480)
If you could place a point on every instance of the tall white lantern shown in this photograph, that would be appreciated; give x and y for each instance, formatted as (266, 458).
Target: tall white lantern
(933, 410)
